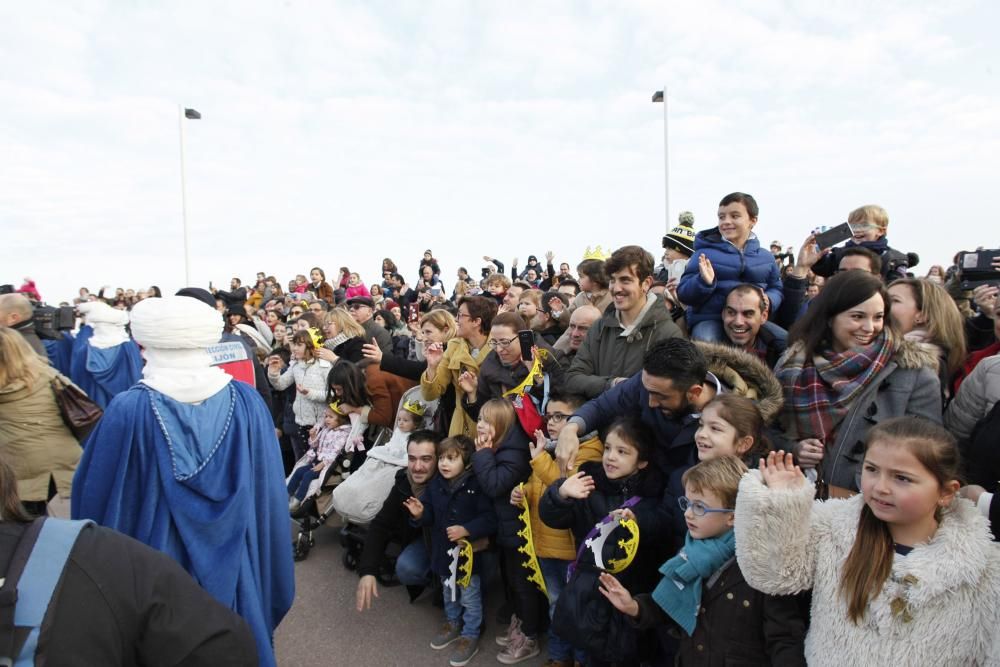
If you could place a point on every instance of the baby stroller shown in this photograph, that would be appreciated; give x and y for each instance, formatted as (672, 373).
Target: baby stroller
(315, 509)
(359, 498)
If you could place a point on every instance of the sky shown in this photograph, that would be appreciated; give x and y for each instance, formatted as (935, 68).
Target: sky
(338, 133)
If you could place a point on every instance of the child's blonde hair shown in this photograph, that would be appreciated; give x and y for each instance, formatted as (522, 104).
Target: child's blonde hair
(872, 214)
(869, 563)
(498, 413)
(720, 476)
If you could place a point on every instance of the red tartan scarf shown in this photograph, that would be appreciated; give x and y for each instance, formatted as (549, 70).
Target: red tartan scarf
(819, 391)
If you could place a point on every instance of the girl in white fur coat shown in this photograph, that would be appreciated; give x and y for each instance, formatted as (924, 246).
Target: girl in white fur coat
(905, 573)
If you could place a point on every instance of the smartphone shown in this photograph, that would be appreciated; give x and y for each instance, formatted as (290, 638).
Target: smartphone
(414, 312)
(832, 237)
(526, 337)
(210, 286)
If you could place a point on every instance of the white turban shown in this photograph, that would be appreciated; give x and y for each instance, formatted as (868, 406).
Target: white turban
(175, 323)
(175, 333)
(108, 324)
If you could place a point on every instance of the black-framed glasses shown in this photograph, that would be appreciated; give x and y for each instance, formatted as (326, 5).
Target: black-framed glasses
(501, 342)
(699, 508)
(557, 417)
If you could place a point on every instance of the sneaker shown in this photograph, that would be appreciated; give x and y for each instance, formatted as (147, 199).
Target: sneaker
(465, 649)
(449, 633)
(513, 628)
(520, 648)
(293, 504)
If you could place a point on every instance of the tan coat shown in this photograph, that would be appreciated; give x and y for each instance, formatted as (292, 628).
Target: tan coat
(457, 358)
(34, 441)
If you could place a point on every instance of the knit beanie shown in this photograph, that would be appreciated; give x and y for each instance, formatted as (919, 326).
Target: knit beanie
(681, 237)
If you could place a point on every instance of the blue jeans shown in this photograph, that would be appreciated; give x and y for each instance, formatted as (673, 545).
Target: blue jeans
(554, 574)
(298, 484)
(467, 610)
(413, 566)
(709, 331)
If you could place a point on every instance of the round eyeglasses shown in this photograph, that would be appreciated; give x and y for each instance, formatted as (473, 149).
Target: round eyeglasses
(698, 508)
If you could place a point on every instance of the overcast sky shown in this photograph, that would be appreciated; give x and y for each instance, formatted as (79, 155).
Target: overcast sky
(338, 133)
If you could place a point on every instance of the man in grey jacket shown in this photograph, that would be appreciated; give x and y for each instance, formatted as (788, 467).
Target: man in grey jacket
(362, 309)
(616, 343)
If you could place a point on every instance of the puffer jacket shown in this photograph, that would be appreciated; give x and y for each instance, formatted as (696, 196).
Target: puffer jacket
(908, 386)
(937, 607)
(311, 376)
(605, 355)
(463, 504)
(554, 542)
(975, 398)
(754, 265)
(35, 441)
(498, 471)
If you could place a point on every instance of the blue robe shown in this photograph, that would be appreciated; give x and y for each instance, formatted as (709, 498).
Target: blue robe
(78, 357)
(60, 352)
(202, 483)
(106, 372)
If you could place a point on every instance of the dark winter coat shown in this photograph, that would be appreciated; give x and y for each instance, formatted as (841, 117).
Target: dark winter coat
(753, 265)
(736, 625)
(605, 355)
(465, 505)
(495, 378)
(894, 262)
(499, 470)
(391, 524)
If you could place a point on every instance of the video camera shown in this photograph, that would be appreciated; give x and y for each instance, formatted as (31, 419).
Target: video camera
(976, 268)
(50, 321)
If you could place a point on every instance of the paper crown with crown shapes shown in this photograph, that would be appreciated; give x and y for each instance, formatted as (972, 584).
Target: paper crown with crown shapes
(596, 253)
(415, 407)
(335, 406)
(316, 337)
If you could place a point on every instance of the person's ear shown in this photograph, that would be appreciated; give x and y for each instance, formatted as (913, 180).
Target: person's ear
(744, 444)
(642, 464)
(646, 284)
(948, 491)
(694, 393)
(730, 519)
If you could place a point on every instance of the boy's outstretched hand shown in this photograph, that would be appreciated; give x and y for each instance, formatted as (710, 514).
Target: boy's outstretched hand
(780, 472)
(456, 533)
(618, 595)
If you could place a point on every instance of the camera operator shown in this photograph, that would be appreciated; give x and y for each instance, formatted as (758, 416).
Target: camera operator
(17, 313)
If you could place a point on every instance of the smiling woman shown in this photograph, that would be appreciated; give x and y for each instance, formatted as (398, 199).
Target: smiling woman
(846, 369)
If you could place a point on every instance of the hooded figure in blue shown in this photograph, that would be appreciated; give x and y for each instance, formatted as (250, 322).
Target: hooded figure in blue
(187, 462)
(108, 362)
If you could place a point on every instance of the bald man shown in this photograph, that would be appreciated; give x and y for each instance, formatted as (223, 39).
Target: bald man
(16, 312)
(579, 324)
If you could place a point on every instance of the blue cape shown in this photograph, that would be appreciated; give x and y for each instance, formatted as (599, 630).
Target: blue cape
(60, 352)
(78, 356)
(105, 373)
(202, 483)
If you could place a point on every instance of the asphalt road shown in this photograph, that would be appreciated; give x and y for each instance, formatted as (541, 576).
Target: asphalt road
(323, 628)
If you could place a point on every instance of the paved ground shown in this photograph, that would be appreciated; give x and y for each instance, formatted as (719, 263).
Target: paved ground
(323, 628)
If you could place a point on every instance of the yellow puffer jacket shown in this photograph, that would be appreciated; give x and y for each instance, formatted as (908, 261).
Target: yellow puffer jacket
(549, 542)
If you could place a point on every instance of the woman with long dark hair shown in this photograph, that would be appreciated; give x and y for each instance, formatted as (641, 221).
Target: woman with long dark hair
(846, 369)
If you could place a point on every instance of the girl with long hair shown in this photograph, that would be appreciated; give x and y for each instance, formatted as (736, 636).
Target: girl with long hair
(903, 573)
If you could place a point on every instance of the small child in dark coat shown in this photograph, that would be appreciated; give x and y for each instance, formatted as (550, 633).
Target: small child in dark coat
(703, 596)
(457, 509)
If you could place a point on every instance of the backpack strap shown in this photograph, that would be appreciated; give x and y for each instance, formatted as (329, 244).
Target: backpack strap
(12, 638)
(36, 582)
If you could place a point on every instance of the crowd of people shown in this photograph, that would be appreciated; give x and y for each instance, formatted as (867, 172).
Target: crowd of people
(730, 455)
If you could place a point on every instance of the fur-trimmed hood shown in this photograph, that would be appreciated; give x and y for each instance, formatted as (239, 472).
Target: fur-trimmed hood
(746, 375)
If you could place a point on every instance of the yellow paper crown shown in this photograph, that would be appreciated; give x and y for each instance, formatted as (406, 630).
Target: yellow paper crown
(316, 336)
(415, 407)
(596, 253)
(528, 548)
(335, 406)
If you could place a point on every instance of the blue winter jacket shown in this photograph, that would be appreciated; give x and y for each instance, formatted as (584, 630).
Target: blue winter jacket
(465, 505)
(755, 265)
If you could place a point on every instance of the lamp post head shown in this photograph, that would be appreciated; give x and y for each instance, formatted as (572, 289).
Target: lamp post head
(658, 96)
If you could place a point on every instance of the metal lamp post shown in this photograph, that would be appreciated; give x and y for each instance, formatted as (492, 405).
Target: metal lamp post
(192, 115)
(661, 96)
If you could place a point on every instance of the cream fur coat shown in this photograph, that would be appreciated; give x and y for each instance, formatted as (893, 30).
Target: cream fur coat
(940, 605)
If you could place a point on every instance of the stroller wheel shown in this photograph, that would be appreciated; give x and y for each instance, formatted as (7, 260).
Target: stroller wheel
(303, 543)
(349, 560)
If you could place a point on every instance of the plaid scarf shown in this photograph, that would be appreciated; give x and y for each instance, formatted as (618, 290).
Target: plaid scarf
(819, 392)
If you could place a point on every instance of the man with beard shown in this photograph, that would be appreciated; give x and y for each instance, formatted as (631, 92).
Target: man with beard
(743, 318)
(636, 319)
(667, 395)
(413, 566)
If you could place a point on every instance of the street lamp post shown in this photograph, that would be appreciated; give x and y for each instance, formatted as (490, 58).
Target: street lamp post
(193, 115)
(661, 96)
